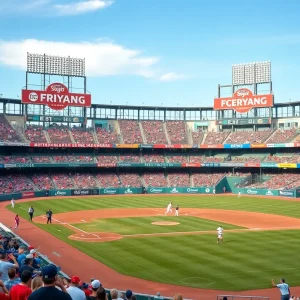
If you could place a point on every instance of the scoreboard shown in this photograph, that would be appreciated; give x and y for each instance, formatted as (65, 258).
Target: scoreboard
(39, 118)
(252, 121)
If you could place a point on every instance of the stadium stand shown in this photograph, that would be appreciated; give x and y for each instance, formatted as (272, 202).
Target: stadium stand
(84, 180)
(280, 181)
(83, 136)
(282, 136)
(15, 183)
(177, 132)
(131, 132)
(178, 179)
(213, 138)
(197, 137)
(7, 133)
(155, 179)
(130, 180)
(59, 135)
(207, 179)
(105, 136)
(153, 158)
(108, 180)
(107, 159)
(35, 134)
(154, 132)
(177, 159)
(244, 137)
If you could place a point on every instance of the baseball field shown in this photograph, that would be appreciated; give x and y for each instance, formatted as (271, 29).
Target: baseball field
(132, 235)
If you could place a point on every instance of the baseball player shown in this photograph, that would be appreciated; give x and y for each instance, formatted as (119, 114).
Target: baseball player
(177, 211)
(12, 203)
(239, 194)
(169, 208)
(17, 221)
(220, 231)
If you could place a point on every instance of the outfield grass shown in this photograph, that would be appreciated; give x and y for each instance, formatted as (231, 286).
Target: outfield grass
(247, 260)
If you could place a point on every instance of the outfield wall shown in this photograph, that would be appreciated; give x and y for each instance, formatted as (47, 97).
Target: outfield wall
(295, 193)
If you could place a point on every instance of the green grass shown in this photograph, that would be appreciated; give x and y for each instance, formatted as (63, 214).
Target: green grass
(247, 260)
(143, 225)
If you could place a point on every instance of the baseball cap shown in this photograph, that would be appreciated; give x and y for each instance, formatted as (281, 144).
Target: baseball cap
(75, 279)
(49, 271)
(30, 248)
(128, 294)
(95, 284)
(32, 251)
(29, 256)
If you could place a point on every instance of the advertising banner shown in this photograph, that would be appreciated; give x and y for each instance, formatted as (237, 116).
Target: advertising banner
(59, 193)
(191, 165)
(156, 190)
(287, 193)
(207, 190)
(28, 195)
(287, 166)
(252, 165)
(191, 190)
(268, 165)
(110, 165)
(68, 145)
(218, 146)
(174, 190)
(40, 118)
(129, 191)
(127, 145)
(147, 146)
(251, 191)
(236, 146)
(57, 97)
(258, 146)
(109, 191)
(41, 193)
(83, 192)
(211, 165)
(242, 101)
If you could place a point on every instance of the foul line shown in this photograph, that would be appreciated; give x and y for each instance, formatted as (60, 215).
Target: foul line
(74, 227)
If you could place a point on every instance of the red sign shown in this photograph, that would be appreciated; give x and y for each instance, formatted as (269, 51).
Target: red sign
(27, 194)
(243, 100)
(62, 145)
(56, 96)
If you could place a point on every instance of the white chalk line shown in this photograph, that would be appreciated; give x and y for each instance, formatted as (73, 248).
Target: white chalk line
(74, 227)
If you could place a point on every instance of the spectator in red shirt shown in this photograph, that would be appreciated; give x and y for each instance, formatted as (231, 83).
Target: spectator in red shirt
(22, 290)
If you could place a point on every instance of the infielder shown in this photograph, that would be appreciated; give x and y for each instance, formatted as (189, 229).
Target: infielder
(169, 208)
(220, 231)
(239, 194)
(177, 211)
(12, 203)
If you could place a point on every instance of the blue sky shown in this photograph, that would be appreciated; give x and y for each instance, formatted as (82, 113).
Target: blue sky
(154, 52)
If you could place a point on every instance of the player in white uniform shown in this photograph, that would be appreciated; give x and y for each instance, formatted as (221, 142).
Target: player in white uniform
(239, 194)
(169, 208)
(177, 211)
(214, 191)
(220, 231)
(12, 203)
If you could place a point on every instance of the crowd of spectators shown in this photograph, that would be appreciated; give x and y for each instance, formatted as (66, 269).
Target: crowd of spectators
(108, 180)
(15, 183)
(105, 136)
(35, 134)
(41, 159)
(247, 159)
(130, 180)
(179, 179)
(130, 158)
(284, 158)
(196, 158)
(197, 137)
(178, 159)
(82, 136)
(73, 159)
(43, 181)
(279, 181)
(14, 159)
(154, 132)
(177, 132)
(84, 180)
(7, 133)
(63, 181)
(245, 137)
(153, 158)
(282, 136)
(207, 179)
(59, 134)
(131, 132)
(214, 138)
(155, 179)
(107, 159)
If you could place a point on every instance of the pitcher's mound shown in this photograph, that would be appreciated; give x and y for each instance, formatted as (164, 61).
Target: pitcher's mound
(165, 223)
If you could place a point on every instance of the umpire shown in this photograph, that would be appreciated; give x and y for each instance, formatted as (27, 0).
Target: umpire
(30, 212)
(49, 216)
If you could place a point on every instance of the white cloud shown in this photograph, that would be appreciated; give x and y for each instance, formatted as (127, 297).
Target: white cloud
(76, 8)
(171, 76)
(103, 58)
(53, 7)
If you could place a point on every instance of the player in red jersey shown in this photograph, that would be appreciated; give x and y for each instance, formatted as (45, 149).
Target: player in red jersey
(17, 221)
